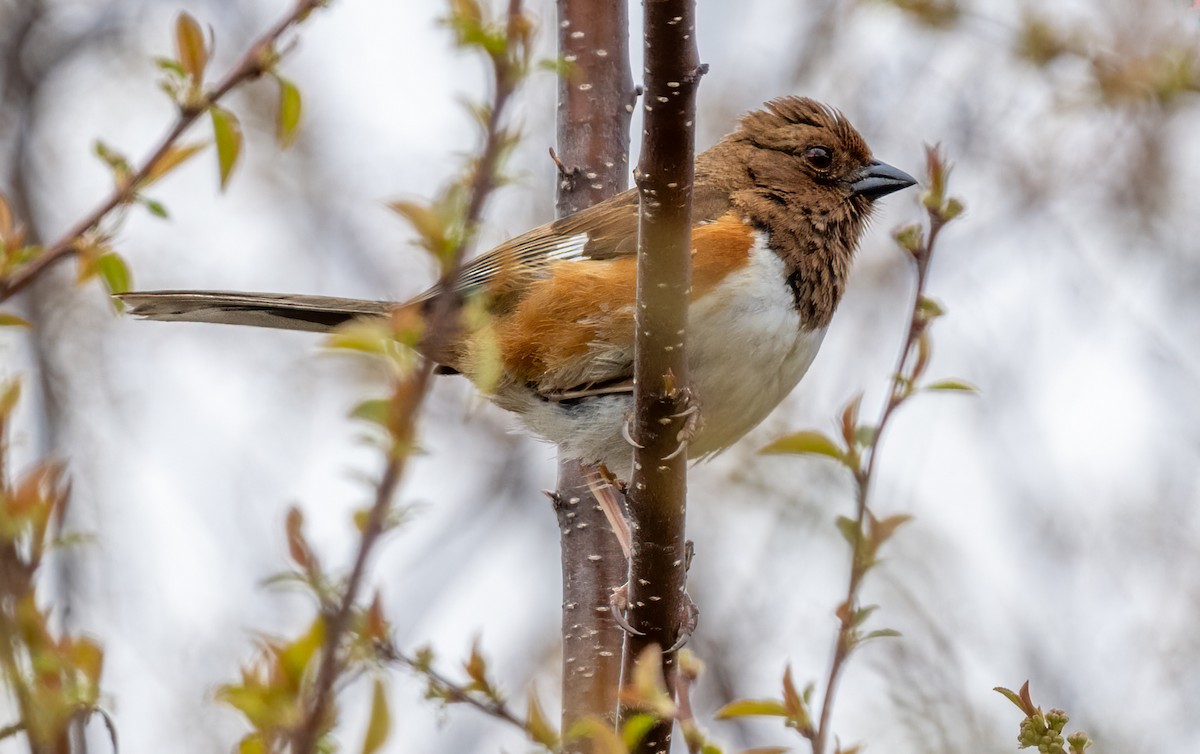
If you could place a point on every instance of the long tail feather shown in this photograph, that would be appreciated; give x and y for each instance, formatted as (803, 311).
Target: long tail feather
(282, 311)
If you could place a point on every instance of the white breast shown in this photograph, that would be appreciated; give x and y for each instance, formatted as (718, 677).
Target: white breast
(746, 352)
(746, 349)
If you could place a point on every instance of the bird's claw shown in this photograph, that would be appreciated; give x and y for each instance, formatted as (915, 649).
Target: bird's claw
(627, 433)
(691, 423)
(617, 604)
(689, 620)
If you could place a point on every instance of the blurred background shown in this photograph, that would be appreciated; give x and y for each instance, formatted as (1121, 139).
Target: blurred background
(1057, 527)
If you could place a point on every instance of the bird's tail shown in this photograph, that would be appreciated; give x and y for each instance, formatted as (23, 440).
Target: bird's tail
(282, 311)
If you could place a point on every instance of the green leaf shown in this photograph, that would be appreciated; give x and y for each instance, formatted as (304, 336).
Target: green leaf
(911, 238)
(170, 66)
(860, 615)
(370, 336)
(375, 410)
(1020, 698)
(952, 209)
(380, 723)
(294, 659)
(155, 208)
(189, 43)
(930, 307)
(881, 633)
(428, 224)
(252, 744)
(227, 133)
(647, 688)
(636, 728)
(298, 547)
(1011, 696)
(537, 727)
(175, 156)
(114, 271)
(116, 161)
(793, 701)
(850, 530)
(476, 667)
(882, 529)
(752, 708)
(111, 157)
(12, 320)
(952, 386)
(288, 116)
(808, 442)
(865, 435)
(10, 393)
(604, 739)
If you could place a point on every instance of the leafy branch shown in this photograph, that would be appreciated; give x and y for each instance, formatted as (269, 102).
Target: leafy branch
(858, 451)
(20, 265)
(866, 533)
(447, 228)
(481, 692)
(53, 678)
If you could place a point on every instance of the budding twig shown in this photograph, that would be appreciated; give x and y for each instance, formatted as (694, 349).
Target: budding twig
(252, 65)
(410, 393)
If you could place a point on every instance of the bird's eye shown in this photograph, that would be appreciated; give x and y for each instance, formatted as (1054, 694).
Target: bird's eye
(820, 158)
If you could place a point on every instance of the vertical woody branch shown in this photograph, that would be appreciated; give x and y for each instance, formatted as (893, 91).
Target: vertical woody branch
(658, 490)
(595, 101)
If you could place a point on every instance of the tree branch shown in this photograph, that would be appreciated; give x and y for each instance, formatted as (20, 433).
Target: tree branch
(458, 693)
(658, 489)
(410, 393)
(252, 64)
(909, 367)
(595, 98)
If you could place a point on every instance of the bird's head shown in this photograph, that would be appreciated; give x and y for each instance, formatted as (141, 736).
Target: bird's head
(799, 171)
(798, 150)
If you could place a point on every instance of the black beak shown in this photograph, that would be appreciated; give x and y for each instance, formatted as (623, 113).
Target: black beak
(880, 179)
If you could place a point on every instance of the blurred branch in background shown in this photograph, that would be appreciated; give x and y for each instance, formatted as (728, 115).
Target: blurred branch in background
(857, 451)
(53, 676)
(595, 103)
(289, 703)
(22, 264)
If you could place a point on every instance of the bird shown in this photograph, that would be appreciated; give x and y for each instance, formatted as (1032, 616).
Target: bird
(779, 208)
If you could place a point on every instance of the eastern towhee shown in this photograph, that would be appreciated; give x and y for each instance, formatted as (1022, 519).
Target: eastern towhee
(779, 206)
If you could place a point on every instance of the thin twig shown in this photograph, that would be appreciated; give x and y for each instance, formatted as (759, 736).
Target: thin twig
(11, 730)
(863, 476)
(461, 694)
(443, 309)
(252, 65)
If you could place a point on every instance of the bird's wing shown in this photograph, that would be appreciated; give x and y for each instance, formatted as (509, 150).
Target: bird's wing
(571, 334)
(605, 231)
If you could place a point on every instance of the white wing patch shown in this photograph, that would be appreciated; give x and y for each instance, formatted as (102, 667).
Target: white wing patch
(532, 256)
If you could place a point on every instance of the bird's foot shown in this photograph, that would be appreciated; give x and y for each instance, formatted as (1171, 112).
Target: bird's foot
(691, 424)
(688, 619)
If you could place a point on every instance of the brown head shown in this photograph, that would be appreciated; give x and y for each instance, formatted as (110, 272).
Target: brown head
(799, 171)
